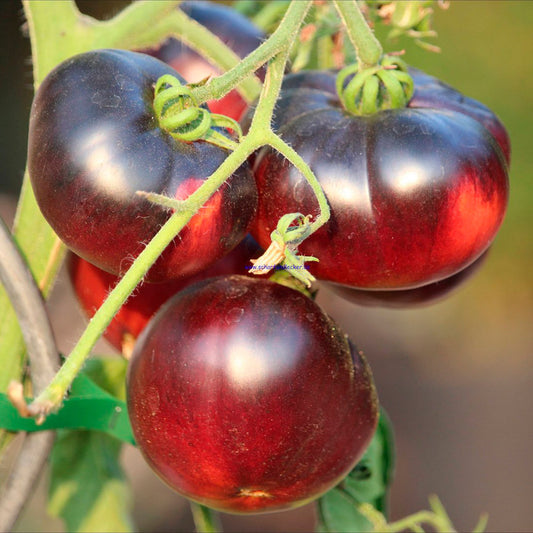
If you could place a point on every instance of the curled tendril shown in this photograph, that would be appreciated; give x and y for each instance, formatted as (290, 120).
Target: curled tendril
(180, 115)
(291, 230)
(366, 91)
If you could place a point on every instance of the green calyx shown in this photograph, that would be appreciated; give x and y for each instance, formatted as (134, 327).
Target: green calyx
(291, 231)
(180, 115)
(367, 91)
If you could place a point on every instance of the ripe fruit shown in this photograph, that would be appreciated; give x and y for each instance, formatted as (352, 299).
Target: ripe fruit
(416, 194)
(244, 396)
(92, 285)
(94, 141)
(409, 298)
(234, 29)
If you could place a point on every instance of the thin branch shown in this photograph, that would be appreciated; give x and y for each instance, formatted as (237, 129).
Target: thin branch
(29, 307)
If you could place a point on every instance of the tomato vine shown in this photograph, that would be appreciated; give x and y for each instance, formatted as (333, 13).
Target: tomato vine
(59, 31)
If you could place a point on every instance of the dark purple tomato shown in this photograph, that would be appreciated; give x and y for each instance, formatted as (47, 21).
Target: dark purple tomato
(409, 298)
(416, 194)
(235, 31)
(94, 141)
(92, 286)
(243, 395)
(430, 92)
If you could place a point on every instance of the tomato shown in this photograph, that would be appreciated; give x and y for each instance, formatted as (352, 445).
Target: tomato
(94, 141)
(409, 298)
(92, 285)
(235, 31)
(430, 92)
(416, 194)
(243, 395)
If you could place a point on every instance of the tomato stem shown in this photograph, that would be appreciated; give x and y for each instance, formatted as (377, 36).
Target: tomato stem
(285, 33)
(367, 47)
(263, 115)
(130, 31)
(205, 519)
(293, 156)
(437, 518)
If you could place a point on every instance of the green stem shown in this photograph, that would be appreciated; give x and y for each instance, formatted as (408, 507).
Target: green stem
(263, 115)
(270, 12)
(285, 33)
(441, 516)
(367, 47)
(51, 398)
(129, 28)
(269, 96)
(57, 31)
(284, 149)
(47, 21)
(205, 519)
(408, 522)
(177, 24)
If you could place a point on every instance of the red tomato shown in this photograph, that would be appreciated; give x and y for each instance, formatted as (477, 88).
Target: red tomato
(416, 194)
(94, 141)
(92, 285)
(243, 395)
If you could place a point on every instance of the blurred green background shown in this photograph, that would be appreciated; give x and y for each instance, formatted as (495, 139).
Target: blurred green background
(456, 377)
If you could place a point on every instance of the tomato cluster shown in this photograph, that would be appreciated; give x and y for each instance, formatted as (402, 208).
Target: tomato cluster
(243, 394)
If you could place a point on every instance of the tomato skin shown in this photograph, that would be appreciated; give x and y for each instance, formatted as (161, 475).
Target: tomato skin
(430, 92)
(94, 141)
(244, 396)
(434, 94)
(235, 31)
(416, 194)
(418, 297)
(92, 286)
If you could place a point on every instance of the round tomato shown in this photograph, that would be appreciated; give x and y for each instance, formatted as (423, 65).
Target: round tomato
(416, 194)
(94, 141)
(243, 395)
(234, 30)
(409, 298)
(92, 286)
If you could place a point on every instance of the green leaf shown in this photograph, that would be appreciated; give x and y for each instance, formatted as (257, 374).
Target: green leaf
(109, 374)
(338, 513)
(370, 479)
(87, 407)
(368, 483)
(88, 488)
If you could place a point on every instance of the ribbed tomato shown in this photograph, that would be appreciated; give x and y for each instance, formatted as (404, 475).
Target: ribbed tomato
(416, 194)
(94, 141)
